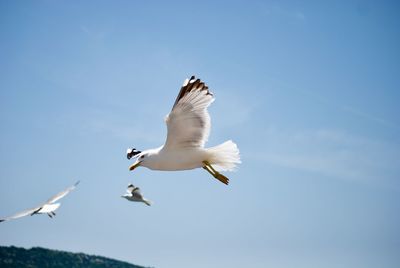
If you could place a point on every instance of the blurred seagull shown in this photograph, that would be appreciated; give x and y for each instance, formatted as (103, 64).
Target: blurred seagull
(46, 208)
(133, 194)
(188, 126)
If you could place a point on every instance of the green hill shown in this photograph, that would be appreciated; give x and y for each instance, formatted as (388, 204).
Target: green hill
(41, 257)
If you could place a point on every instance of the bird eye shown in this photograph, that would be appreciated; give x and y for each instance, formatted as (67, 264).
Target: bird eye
(142, 156)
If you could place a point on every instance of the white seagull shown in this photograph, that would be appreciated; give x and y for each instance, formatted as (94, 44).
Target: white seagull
(133, 194)
(188, 126)
(46, 208)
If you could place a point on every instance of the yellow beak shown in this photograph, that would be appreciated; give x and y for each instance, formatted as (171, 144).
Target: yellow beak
(135, 165)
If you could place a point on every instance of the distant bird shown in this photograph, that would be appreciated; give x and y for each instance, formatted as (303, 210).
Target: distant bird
(188, 126)
(46, 208)
(133, 194)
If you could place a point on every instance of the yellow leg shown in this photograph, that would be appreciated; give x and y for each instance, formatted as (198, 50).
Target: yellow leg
(207, 166)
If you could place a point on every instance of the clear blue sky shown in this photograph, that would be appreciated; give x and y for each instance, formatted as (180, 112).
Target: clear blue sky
(309, 92)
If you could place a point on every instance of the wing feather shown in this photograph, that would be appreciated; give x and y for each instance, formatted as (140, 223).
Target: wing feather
(188, 122)
(62, 194)
(22, 214)
(132, 188)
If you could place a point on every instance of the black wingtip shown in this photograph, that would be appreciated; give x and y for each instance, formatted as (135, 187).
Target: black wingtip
(132, 152)
(188, 85)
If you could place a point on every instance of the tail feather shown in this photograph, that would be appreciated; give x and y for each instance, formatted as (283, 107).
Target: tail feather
(224, 157)
(147, 202)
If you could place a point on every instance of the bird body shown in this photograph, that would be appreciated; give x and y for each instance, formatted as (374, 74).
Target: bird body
(133, 194)
(48, 208)
(190, 158)
(171, 160)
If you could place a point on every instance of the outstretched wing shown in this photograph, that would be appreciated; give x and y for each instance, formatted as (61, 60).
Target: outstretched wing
(22, 214)
(134, 191)
(62, 193)
(131, 188)
(189, 122)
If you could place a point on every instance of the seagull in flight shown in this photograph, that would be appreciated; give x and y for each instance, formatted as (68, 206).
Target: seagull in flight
(133, 194)
(46, 208)
(188, 126)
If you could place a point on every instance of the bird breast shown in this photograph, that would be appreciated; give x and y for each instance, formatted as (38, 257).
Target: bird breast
(181, 159)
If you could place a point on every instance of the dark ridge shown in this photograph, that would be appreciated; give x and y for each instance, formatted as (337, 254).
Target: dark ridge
(41, 257)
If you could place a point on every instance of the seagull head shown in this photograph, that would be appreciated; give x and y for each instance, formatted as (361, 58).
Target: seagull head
(145, 158)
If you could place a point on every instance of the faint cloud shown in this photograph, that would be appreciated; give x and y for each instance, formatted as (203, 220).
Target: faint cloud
(98, 35)
(124, 132)
(346, 108)
(371, 117)
(299, 15)
(278, 10)
(232, 109)
(333, 153)
(85, 30)
(109, 125)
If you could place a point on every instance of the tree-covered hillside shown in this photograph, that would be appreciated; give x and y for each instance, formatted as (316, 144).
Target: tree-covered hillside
(41, 257)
